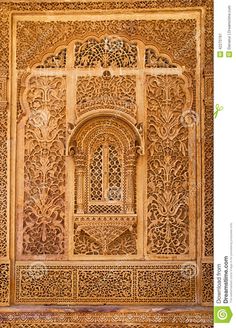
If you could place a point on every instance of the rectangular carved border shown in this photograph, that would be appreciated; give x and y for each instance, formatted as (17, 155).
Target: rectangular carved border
(40, 283)
(118, 318)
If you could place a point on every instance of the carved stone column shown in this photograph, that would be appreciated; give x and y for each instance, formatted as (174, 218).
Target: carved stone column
(79, 176)
(130, 182)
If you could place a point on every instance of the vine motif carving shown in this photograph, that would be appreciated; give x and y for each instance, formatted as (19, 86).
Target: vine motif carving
(43, 222)
(105, 53)
(160, 288)
(168, 179)
(208, 167)
(117, 92)
(38, 285)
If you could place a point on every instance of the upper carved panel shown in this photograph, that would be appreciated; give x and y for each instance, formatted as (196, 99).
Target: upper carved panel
(108, 52)
(176, 36)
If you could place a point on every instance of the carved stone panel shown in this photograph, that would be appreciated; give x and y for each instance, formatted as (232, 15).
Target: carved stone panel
(106, 161)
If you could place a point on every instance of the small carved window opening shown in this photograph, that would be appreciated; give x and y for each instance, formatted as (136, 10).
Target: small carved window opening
(106, 176)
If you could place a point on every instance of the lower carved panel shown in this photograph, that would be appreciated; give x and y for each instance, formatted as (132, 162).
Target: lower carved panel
(23, 325)
(4, 283)
(105, 284)
(117, 319)
(207, 283)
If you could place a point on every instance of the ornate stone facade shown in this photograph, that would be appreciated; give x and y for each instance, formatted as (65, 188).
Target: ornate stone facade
(132, 199)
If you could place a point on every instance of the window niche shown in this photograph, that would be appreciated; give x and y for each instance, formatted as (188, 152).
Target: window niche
(105, 151)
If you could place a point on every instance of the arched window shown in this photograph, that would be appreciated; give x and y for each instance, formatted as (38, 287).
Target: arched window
(105, 167)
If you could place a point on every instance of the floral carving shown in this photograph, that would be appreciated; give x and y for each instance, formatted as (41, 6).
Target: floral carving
(37, 39)
(3, 165)
(52, 283)
(43, 223)
(117, 93)
(161, 287)
(168, 178)
(117, 319)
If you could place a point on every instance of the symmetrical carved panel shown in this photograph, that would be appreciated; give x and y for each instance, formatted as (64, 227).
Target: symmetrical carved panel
(116, 92)
(168, 166)
(105, 235)
(159, 284)
(104, 44)
(104, 151)
(44, 169)
(105, 53)
(176, 36)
